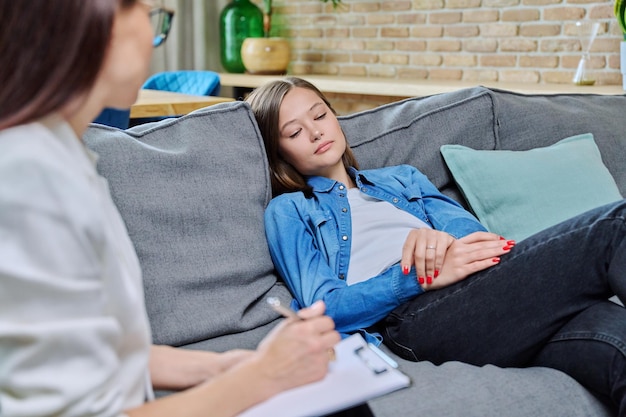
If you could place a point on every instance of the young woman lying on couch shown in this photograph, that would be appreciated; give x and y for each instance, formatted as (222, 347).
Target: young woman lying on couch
(392, 257)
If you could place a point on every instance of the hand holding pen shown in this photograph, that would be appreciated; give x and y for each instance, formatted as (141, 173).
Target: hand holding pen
(287, 312)
(296, 351)
(300, 345)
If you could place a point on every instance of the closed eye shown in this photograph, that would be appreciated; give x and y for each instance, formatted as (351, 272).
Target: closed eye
(321, 116)
(296, 133)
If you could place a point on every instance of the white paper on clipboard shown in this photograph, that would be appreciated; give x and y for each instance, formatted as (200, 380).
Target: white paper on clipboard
(358, 374)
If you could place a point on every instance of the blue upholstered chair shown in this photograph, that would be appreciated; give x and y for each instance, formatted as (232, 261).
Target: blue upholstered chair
(198, 83)
(114, 117)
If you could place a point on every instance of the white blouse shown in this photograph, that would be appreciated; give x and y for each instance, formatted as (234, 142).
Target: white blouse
(74, 333)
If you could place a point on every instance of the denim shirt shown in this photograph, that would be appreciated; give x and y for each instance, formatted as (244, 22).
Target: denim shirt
(309, 241)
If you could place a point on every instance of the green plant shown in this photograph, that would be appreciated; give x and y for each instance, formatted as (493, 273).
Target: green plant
(267, 14)
(620, 13)
(335, 2)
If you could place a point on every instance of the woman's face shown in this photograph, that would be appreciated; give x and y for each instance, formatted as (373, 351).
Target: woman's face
(127, 61)
(311, 139)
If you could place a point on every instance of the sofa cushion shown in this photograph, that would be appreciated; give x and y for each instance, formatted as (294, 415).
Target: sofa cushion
(455, 389)
(412, 131)
(518, 193)
(530, 121)
(192, 192)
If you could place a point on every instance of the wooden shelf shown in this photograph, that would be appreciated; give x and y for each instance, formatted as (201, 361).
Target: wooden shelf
(157, 103)
(413, 88)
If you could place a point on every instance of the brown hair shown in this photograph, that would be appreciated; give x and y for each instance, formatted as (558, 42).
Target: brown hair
(52, 52)
(265, 102)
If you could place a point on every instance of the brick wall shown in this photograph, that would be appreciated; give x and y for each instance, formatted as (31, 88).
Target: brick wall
(527, 41)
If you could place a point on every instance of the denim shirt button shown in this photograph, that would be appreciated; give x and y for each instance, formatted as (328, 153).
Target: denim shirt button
(344, 237)
(341, 187)
(364, 190)
(344, 210)
(395, 200)
(342, 276)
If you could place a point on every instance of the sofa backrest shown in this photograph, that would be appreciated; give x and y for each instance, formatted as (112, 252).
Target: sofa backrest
(192, 192)
(529, 121)
(412, 131)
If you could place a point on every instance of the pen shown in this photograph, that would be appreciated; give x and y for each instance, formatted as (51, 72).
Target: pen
(285, 311)
(289, 313)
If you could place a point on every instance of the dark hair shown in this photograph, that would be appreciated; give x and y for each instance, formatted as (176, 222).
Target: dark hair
(265, 102)
(52, 52)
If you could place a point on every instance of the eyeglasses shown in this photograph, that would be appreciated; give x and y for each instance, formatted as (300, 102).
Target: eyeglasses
(161, 19)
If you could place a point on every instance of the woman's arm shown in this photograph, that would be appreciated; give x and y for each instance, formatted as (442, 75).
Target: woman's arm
(293, 354)
(177, 369)
(305, 268)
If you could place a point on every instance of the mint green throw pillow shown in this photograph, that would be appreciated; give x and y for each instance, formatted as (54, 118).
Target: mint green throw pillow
(518, 193)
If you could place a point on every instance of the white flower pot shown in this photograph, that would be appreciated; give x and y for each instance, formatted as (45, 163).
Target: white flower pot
(622, 62)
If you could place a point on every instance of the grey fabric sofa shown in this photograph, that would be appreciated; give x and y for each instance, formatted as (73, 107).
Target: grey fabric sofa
(192, 192)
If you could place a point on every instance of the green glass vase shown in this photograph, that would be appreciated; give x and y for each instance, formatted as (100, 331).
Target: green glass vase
(240, 19)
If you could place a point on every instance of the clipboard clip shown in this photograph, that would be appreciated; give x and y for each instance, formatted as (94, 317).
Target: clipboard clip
(364, 355)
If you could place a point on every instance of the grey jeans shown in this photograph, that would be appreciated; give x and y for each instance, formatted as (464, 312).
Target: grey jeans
(546, 304)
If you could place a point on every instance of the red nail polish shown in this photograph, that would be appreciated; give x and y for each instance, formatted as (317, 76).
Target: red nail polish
(495, 260)
(510, 242)
(429, 280)
(421, 280)
(507, 247)
(501, 238)
(436, 273)
(405, 270)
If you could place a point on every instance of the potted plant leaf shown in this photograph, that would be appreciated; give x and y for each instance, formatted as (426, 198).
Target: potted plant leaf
(267, 14)
(620, 14)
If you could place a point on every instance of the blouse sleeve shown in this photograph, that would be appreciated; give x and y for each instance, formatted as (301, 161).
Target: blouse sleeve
(57, 342)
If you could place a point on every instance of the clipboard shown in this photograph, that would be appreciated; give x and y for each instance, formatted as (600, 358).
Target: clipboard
(359, 373)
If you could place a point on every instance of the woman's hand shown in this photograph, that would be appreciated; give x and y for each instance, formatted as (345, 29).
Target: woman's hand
(441, 260)
(467, 255)
(426, 249)
(297, 352)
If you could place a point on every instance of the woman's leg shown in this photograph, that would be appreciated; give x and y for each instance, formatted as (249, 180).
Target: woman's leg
(362, 410)
(591, 349)
(506, 314)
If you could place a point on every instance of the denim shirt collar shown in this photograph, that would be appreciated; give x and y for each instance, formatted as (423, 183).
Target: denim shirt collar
(325, 185)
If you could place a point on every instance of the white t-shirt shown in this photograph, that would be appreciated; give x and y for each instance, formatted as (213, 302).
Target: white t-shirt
(379, 230)
(74, 333)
